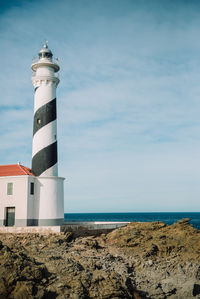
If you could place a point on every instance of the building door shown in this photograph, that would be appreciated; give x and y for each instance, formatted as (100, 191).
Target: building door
(10, 216)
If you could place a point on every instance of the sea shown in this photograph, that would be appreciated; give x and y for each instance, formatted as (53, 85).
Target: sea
(166, 217)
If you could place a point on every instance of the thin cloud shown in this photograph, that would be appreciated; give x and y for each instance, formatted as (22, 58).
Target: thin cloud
(128, 100)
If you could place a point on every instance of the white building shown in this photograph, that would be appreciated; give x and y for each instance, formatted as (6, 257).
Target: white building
(17, 195)
(36, 197)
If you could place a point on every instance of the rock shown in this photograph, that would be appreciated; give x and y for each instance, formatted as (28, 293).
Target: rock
(140, 260)
(3, 288)
(184, 221)
(1, 245)
(23, 290)
(197, 274)
(196, 289)
(92, 243)
(152, 251)
(68, 236)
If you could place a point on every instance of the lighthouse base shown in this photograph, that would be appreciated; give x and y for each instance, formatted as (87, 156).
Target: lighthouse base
(47, 208)
(35, 222)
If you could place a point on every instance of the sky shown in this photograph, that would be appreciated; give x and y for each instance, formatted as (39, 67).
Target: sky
(128, 101)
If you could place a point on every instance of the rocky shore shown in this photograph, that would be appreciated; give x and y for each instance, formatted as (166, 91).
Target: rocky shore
(141, 260)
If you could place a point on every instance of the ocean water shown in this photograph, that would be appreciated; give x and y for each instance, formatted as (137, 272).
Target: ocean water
(166, 217)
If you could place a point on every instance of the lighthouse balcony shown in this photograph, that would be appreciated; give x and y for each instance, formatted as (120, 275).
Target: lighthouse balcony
(38, 62)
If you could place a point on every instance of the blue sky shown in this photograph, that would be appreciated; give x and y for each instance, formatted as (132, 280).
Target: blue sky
(128, 100)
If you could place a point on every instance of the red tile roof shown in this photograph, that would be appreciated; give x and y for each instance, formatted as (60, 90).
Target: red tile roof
(14, 169)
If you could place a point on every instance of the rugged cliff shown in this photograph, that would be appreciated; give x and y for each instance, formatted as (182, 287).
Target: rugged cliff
(141, 260)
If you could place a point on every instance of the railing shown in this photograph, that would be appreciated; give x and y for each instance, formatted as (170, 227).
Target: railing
(36, 60)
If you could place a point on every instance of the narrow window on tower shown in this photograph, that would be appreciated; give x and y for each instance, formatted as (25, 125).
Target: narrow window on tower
(10, 189)
(32, 189)
(39, 121)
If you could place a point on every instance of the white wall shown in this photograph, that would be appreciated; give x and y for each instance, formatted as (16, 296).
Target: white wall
(18, 199)
(50, 193)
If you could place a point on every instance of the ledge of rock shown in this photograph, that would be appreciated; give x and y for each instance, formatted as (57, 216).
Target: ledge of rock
(140, 260)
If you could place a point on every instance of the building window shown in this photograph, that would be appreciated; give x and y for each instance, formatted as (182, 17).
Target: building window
(10, 189)
(32, 189)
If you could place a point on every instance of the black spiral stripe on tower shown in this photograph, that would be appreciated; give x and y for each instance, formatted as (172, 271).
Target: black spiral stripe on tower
(44, 159)
(44, 115)
(36, 88)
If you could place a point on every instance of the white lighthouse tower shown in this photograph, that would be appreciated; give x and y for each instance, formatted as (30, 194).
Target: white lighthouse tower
(49, 208)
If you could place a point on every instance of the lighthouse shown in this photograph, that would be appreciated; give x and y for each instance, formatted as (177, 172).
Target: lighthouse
(49, 210)
(35, 197)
